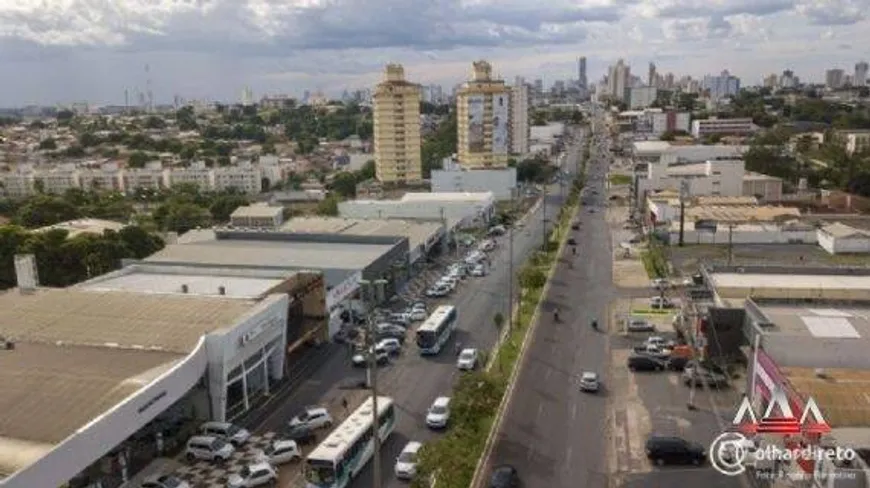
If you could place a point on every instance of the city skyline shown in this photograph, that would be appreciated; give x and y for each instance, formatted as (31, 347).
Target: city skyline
(212, 50)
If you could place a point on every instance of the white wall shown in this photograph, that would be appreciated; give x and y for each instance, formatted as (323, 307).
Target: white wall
(723, 178)
(104, 433)
(266, 322)
(500, 182)
(841, 245)
(766, 236)
(466, 212)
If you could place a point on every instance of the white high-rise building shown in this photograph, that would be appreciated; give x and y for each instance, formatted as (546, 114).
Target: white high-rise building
(860, 78)
(834, 78)
(519, 116)
(722, 86)
(618, 80)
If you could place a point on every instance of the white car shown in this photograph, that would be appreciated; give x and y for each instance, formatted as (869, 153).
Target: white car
(381, 357)
(279, 452)
(589, 382)
(226, 430)
(417, 314)
(467, 359)
(479, 270)
(392, 346)
(252, 475)
(312, 418)
(437, 291)
(660, 302)
(660, 284)
(487, 245)
(637, 324)
(406, 463)
(439, 413)
(209, 448)
(164, 481)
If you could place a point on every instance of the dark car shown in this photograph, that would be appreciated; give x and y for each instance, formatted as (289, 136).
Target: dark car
(674, 450)
(678, 363)
(301, 434)
(643, 362)
(575, 226)
(504, 476)
(572, 241)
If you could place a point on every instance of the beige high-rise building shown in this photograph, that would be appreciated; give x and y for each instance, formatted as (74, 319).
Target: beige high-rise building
(483, 120)
(397, 128)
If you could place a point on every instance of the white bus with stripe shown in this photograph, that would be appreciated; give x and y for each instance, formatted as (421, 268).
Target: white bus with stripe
(434, 333)
(347, 449)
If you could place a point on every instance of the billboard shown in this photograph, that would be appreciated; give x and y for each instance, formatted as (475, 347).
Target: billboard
(500, 104)
(476, 141)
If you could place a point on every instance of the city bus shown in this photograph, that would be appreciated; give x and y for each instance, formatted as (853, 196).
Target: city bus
(436, 330)
(347, 449)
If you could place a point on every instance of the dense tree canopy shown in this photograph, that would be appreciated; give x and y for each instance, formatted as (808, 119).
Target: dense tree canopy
(439, 145)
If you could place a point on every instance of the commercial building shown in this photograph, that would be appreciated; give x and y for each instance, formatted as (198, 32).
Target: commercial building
(839, 238)
(656, 123)
(835, 79)
(855, 141)
(483, 115)
(763, 187)
(100, 378)
(344, 260)
(397, 128)
(502, 183)
(259, 215)
(860, 77)
(642, 97)
(715, 126)
(455, 210)
(709, 178)
(665, 152)
(519, 117)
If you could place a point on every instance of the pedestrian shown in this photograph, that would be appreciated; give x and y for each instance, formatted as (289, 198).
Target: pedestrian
(344, 404)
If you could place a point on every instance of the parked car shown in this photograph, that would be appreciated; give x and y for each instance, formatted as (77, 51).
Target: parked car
(360, 360)
(589, 382)
(637, 324)
(487, 245)
(467, 360)
(479, 270)
(252, 475)
(313, 418)
(575, 226)
(390, 334)
(674, 450)
(660, 302)
(209, 448)
(300, 434)
(164, 481)
(390, 328)
(660, 284)
(438, 414)
(400, 318)
(504, 476)
(279, 452)
(437, 291)
(642, 362)
(406, 462)
(232, 433)
(496, 230)
(572, 241)
(417, 314)
(392, 346)
(704, 377)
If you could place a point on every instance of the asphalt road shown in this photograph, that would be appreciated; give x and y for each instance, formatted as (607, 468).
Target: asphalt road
(413, 381)
(553, 433)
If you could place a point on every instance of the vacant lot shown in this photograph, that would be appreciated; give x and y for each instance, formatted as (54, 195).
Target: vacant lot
(686, 259)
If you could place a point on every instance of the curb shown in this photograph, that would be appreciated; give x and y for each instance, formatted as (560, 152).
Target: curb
(508, 394)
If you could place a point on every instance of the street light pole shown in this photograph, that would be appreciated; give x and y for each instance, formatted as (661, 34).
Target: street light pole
(544, 218)
(373, 294)
(510, 310)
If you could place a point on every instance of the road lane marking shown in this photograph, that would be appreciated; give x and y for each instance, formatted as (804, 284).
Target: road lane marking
(574, 412)
(540, 410)
(568, 454)
(547, 373)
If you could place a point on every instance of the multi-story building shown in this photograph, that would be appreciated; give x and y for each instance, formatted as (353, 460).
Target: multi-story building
(246, 179)
(711, 126)
(723, 86)
(197, 175)
(661, 122)
(771, 81)
(519, 116)
(651, 76)
(834, 79)
(397, 128)
(855, 141)
(145, 178)
(106, 179)
(17, 184)
(483, 120)
(582, 80)
(860, 78)
(788, 79)
(618, 80)
(57, 181)
(643, 97)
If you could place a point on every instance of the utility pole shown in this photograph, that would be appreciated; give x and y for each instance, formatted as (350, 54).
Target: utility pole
(684, 194)
(373, 294)
(730, 244)
(510, 311)
(544, 219)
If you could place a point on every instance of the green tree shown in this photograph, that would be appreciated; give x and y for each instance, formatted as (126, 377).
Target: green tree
(186, 119)
(43, 210)
(12, 237)
(181, 217)
(75, 151)
(439, 145)
(224, 205)
(328, 207)
(138, 242)
(155, 122)
(65, 116)
(138, 159)
(532, 278)
(48, 144)
(306, 144)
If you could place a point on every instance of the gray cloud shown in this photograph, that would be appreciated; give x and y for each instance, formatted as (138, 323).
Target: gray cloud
(833, 12)
(697, 8)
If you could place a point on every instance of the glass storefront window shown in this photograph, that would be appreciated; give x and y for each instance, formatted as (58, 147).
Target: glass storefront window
(235, 374)
(235, 398)
(256, 380)
(253, 359)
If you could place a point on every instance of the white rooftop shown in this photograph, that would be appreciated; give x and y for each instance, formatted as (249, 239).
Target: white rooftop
(448, 197)
(81, 226)
(651, 146)
(258, 210)
(794, 281)
(171, 283)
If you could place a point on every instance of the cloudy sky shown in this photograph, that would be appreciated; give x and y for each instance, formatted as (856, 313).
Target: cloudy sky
(59, 51)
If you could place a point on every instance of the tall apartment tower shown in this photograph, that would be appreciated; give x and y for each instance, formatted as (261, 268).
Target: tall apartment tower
(582, 81)
(834, 78)
(860, 78)
(519, 117)
(397, 128)
(618, 80)
(651, 77)
(483, 120)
